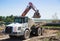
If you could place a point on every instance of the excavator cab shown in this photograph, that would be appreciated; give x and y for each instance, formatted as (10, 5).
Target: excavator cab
(20, 19)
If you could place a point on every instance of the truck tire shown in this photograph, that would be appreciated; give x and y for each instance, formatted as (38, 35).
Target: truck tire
(38, 32)
(26, 34)
(42, 31)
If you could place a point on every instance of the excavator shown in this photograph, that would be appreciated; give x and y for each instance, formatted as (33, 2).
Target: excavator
(24, 26)
(31, 6)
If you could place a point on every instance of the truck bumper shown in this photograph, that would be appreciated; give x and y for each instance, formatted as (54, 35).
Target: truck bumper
(16, 33)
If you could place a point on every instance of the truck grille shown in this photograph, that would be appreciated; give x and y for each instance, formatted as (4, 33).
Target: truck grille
(8, 30)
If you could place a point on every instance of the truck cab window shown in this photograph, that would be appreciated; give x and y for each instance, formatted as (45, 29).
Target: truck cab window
(21, 20)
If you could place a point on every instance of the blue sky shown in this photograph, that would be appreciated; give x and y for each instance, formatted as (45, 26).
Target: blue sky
(47, 8)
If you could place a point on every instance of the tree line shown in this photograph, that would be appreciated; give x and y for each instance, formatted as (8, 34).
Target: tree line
(6, 19)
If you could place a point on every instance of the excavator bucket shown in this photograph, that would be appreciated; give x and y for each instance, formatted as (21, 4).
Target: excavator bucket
(36, 14)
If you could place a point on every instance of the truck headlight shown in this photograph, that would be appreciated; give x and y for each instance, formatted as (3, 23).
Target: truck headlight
(19, 28)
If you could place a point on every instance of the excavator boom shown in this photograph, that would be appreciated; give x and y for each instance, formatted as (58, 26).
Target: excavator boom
(31, 6)
(26, 11)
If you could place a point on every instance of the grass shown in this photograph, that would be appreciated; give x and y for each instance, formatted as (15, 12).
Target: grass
(45, 39)
(50, 26)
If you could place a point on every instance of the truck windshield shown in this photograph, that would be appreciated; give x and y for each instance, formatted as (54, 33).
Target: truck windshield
(19, 20)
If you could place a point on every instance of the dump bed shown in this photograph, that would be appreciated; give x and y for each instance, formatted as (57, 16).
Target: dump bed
(30, 23)
(37, 24)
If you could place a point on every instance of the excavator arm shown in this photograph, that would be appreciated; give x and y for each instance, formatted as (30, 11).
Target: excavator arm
(31, 6)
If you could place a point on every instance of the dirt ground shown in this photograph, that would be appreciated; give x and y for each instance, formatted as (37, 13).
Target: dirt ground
(46, 32)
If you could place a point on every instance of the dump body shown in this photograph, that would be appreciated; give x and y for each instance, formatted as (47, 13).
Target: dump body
(31, 23)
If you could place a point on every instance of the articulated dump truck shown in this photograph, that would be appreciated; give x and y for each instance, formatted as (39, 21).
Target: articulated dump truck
(24, 26)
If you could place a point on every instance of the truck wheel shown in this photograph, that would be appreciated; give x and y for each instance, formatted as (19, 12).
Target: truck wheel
(26, 34)
(38, 32)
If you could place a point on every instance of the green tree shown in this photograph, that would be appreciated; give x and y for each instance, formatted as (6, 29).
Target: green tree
(9, 18)
(0, 18)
